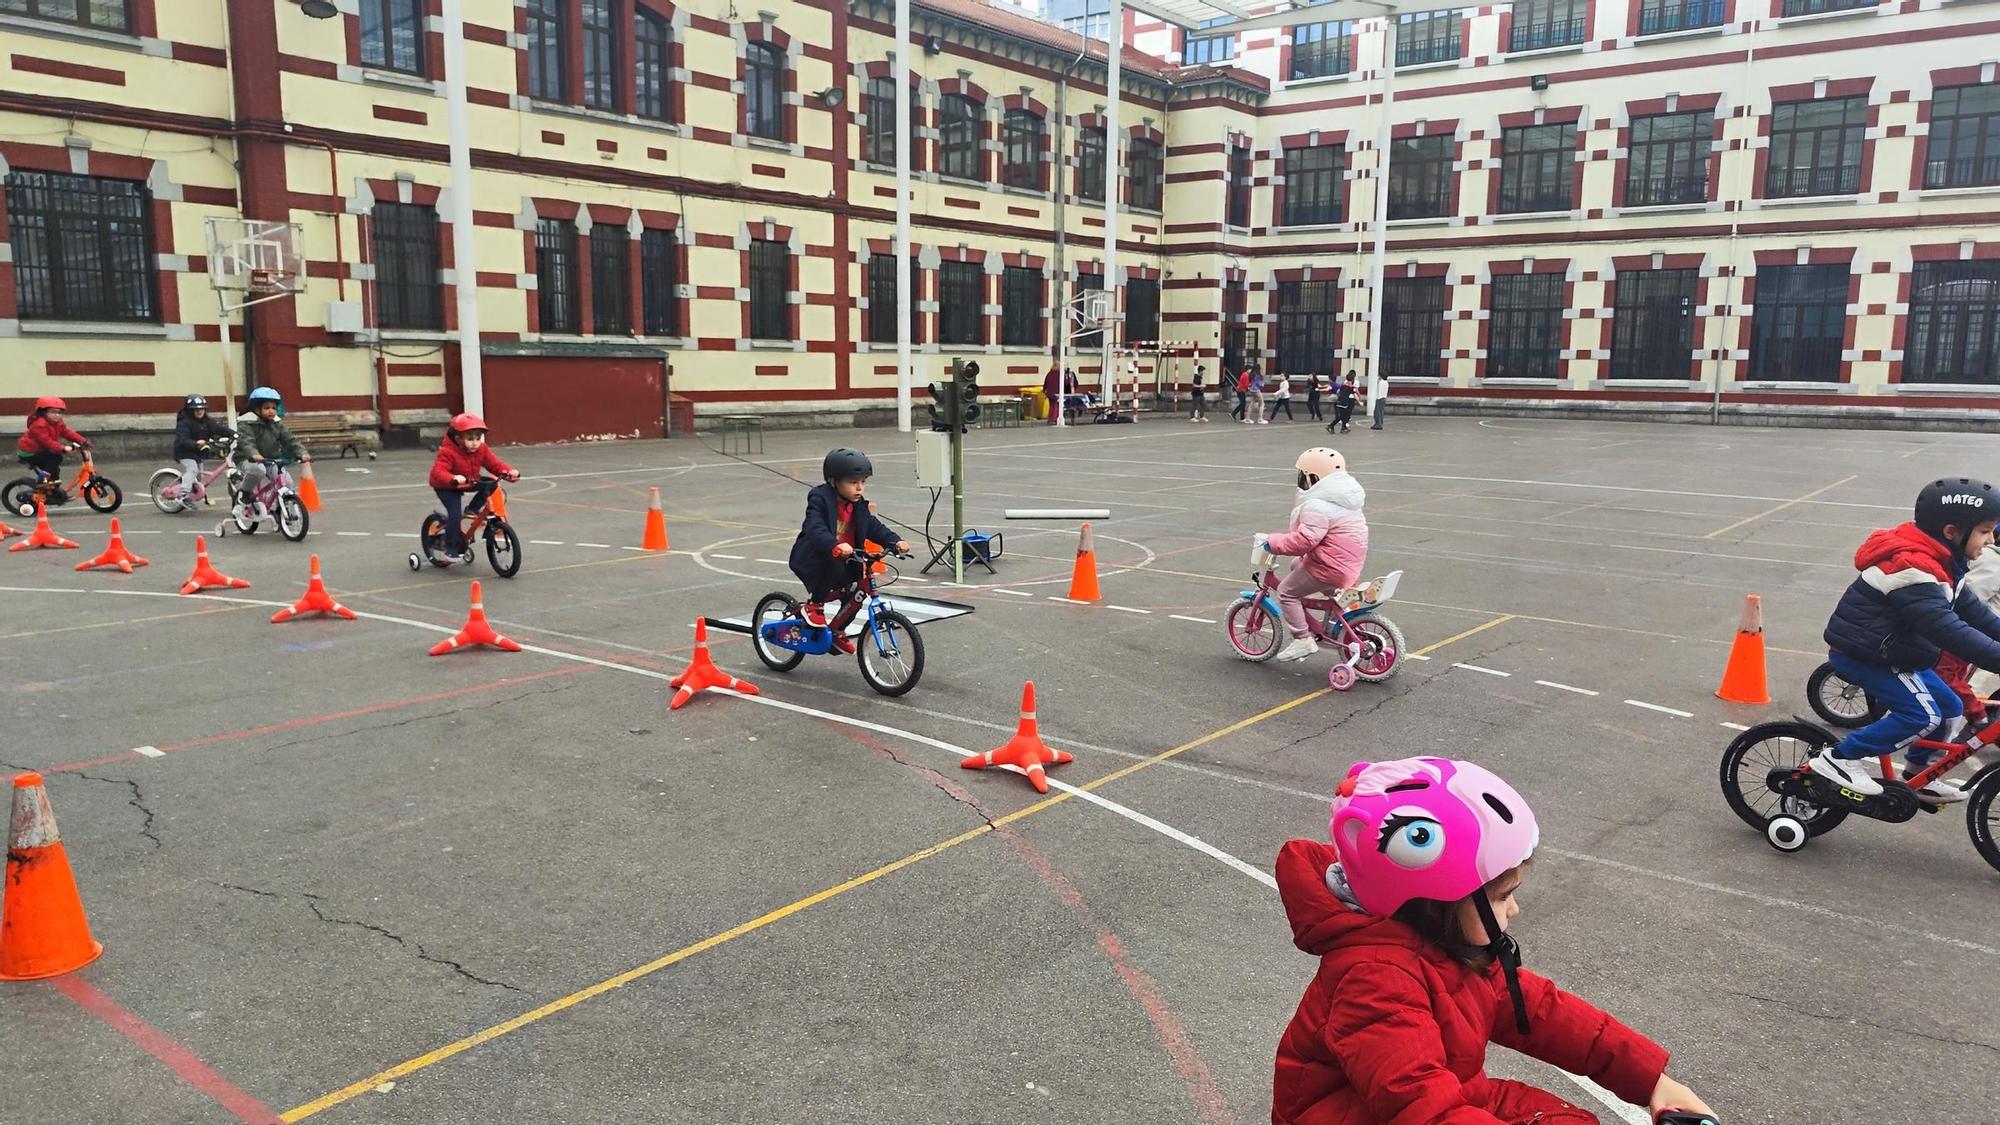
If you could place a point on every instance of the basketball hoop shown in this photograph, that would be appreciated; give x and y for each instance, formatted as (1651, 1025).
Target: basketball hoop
(251, 261)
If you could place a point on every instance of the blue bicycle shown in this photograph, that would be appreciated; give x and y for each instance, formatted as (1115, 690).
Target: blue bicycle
(886, 643)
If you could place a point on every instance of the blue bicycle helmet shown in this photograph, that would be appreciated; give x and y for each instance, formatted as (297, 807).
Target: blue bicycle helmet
(262, 394)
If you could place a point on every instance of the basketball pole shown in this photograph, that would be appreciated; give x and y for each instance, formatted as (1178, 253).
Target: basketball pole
(465, 264)
(228, 375)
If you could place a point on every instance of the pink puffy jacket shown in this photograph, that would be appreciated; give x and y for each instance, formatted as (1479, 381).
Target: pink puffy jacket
(1328, 533)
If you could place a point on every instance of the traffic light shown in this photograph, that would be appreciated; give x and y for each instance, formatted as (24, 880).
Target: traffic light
(941, 404)
(968, 392)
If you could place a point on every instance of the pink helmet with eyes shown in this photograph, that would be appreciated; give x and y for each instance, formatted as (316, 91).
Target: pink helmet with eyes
(1430, 828)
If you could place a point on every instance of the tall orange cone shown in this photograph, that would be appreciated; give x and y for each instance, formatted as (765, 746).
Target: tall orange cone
(316, 600)
(308, 487)
(655, 538)
(1025, 751)
(43, 535)
(476, 631)
(702, 673)
(114, 555)
(205, 576)
(1083, 579)
(1744, 680)
(43, 932)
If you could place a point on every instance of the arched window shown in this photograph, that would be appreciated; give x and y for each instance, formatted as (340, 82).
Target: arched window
(1021, 139)
(764, 91)
(652, 63)
(958, 138)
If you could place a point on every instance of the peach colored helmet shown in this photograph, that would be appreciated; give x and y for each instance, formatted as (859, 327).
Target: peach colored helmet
(1317, 464)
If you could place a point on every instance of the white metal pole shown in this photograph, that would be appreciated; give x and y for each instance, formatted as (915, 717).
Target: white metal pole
(465, 264)
(1114, 160)
(228, 373)
(1378, 385)
(904, 376)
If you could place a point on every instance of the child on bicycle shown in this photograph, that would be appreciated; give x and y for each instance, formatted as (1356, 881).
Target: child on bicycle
(1408, 910)
(455, 477)
(837, 522)
(197, 437)
(47, 437)
(261, 438)
(1329, 535)
(1910, 604)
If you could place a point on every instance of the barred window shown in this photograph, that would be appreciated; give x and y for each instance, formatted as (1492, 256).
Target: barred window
(1525, 341)
(1537, 168)
(1660, 16)
(1668, 159)
(1142, 309)
(1413, 325)
(1091, 339)
(882, 302)
(659, 282)
(558, 286)
(1146, 174)
(1022, 138)
(610, 280)
(770, 290)
(1652, 324)
(1239, 185)
(1964, 144)
(1312, 185)
(1420, 177)
(1090, 163)
(1208, 50)
(1308, 327)
(82, 247)
(961, 303)
(652, 66)
(600, 54)
(1954, 323)
(1320, 50)
(1816, 147)
(1021, 307)
(548, 50)
(107, 15)
(959, 151)
(407, 291)
(764, 91)
(392, 34)
(1548, 23)
(1426, 37)
(1800, 323)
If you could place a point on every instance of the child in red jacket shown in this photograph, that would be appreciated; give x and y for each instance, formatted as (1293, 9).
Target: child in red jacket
(47, 437)
(1408, 912)
(455, 473)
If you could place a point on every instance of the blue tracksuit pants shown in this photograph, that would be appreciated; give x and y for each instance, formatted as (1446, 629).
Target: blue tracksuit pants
(1917, 702)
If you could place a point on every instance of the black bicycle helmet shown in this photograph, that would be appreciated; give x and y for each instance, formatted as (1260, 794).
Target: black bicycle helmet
(844, 462)
(194, 402)
(1955, 500)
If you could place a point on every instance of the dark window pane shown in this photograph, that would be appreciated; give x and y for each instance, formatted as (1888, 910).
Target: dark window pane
(106, 15)
(1668, 159)
(764, 92)
(1420, 181)
(1426, 37)
(610, 280)
(1021, 307)
(770, 290)
(1090, 163)
(1652, 324)
(1814, 7)
(1208, 50)
(558, 285)
(1142, 310)
(1322, 49)
(1239, 186)
(392, 35)
(407, 291)
(1954, 323)
(1308, 328)
(660, 275)
(1312, 185)
(1525, 340)
(1800, 322)
(959, 146)
(548, 33)
(1964, 145)
(1413, 325)
(1537, 168)
(1023, 141)
(961, 303)
(1548, 23)
(1816, 147)
(882, 303)
(82, 247)
(600, 54)
(652, 67)
(1659, 16)
(1146, 174)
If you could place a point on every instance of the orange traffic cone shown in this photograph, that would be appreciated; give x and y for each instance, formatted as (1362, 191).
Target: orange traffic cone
(1025, 751)
(655, 538)
(702, 674)
(476, 631)
(43, 535)
(1083, 580)
(880, 567)
(316, 600)
(206, 577)
(114, 555)
(1744, 680)
(8, 532)
(42, 929)
(308, 487)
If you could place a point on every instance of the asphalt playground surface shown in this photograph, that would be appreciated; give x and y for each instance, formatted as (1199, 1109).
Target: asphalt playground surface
(349, 882)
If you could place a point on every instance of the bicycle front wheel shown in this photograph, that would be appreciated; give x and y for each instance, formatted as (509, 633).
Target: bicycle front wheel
(102, 495)
(1252, 632)
(503, 549)
(293, 519)
(891, 653)
(165, 489)
(1982, 816)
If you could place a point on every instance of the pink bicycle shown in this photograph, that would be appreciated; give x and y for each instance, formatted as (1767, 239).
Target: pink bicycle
(1365, 644)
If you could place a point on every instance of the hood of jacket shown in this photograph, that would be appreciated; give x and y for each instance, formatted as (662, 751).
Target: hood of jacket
(1340, 490)
(1310, 885)
(1897, 548)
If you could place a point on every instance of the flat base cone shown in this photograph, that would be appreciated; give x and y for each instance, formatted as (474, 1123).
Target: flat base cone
(1025, 752)
(114, 555)
(43, 932)
(8, 532)
(316, 600)
(43, 536)
(205, 576)
(476, 631)
(703, 674)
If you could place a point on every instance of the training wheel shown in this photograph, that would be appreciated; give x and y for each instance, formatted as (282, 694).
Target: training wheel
(1786, 833)
(416, 561)
(1341, 677)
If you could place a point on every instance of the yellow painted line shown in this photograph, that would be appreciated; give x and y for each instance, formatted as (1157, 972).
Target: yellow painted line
(430, 1058)
(1779, 508)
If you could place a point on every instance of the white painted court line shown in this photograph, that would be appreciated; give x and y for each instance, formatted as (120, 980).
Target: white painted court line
(1011, 593)
(547, 543)
(1127, 609)
(1196, 620)
(149, 751)
(1415, 656)
(399, 534)
(1567, 687)
(599, 546)
(1487, 671)
(1066, 601)
(1660, 709)
(355, 534)
(731, 558)
(145, 531)
(1736, 726)
(1630, 1114)
(912, 578)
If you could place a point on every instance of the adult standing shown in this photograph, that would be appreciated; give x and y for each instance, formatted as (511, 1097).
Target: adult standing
(1257, 396)
(1199, 411)
(1242, 395)
(1312, 396)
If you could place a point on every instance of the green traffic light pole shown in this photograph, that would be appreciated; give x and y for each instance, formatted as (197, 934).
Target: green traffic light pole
(956, 416)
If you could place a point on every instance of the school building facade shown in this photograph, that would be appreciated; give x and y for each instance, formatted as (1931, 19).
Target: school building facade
(1760, 207)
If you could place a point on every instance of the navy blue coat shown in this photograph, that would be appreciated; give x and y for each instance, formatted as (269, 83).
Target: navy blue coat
(189, 429)
(1909, 603)
(812, 553)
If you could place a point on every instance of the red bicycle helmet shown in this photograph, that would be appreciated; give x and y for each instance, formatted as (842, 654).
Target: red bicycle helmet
(50, 402)
(465, 423)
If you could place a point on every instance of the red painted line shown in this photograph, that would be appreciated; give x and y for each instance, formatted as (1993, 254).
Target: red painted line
(178, 1058)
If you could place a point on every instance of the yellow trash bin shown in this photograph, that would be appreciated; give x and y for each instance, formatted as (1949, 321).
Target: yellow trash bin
(1034, 404)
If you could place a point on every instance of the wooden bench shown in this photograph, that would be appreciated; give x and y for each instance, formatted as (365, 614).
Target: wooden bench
(326, 431)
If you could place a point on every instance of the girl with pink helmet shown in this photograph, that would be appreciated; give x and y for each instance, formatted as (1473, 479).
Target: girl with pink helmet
(1408, 910)
(1328, 534)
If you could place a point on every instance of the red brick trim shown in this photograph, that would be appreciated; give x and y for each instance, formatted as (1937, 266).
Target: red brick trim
(35, 64)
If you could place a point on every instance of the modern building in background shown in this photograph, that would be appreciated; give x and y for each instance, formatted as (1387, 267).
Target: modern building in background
(1747, 205)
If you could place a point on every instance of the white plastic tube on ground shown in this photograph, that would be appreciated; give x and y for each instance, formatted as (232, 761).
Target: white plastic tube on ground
(1058, 513)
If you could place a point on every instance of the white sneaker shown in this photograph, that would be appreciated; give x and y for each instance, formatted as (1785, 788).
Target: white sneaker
(1299, 649)
(1942, 792)
(1263, 421)
(1850, 775)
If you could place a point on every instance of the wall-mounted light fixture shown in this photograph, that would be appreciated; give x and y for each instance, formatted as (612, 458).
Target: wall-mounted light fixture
(1538, 83)
(319, 9)
(831, 97)
(933, 45)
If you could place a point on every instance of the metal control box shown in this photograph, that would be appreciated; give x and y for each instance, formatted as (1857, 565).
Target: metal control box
(933, 459)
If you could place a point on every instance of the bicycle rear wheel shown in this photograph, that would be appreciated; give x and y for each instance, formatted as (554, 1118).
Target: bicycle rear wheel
(1748, 763)
(1252, 632)
(1840, 702)
(1381, 648)
(431, 536)
(891, 652)
(771, 609)
(165, 489)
